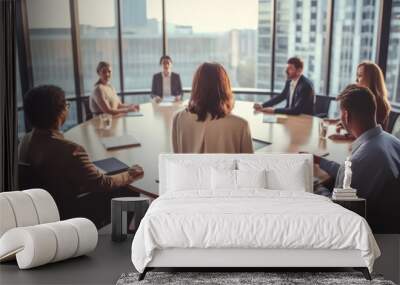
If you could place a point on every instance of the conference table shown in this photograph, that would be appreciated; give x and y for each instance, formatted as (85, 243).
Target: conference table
(292, 134)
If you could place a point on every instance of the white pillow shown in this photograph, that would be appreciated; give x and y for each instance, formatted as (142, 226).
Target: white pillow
(228, 179)
(282, 174)
(251, 178)
(223, 179)
(281, 180)
(183, 177)
(193, 175)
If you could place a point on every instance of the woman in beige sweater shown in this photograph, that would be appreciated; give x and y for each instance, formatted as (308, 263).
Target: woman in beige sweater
(207, 125)
(104, 98)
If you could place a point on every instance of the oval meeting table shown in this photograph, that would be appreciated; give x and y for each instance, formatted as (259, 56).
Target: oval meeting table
(292, 134)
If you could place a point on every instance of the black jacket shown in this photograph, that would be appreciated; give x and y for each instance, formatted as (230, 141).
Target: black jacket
(303, 98)
(157, 85)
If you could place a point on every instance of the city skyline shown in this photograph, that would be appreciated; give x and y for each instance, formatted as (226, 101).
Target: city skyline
(245, 53)
(241, 16)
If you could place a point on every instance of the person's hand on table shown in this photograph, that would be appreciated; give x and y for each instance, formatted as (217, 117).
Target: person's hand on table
(331, 121)
(340, 137)
(339, 127)
(135, 172)
(268, 110)
(134, 108)
(257, 107)
(178, 98)
(157, 99)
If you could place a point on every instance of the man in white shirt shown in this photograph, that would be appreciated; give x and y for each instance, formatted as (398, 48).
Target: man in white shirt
(166, 85)
(298, 93)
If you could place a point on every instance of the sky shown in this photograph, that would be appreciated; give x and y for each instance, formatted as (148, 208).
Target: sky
(224, 14)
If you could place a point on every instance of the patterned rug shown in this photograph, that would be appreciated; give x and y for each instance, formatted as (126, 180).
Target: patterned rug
(242, 278)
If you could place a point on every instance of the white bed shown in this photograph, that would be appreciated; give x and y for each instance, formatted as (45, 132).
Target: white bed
(221, 223)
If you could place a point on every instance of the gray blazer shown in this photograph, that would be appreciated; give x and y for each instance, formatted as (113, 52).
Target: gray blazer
(157, 85)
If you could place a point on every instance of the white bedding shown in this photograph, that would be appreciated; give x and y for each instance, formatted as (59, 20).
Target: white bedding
(251, 218)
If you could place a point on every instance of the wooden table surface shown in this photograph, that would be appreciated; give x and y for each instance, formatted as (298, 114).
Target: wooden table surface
(296, 133)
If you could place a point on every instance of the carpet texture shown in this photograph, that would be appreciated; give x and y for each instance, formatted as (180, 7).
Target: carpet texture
(229, 278)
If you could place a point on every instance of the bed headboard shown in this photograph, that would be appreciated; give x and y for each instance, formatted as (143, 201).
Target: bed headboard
(166, 158)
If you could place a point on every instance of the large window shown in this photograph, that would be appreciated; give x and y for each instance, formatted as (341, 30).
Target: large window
(354, 40)
(393, 63)
(141, 41)
(236, 33)
(264, 42)
(99, 40)
(51, 47)
(300, 31)
(225, 33)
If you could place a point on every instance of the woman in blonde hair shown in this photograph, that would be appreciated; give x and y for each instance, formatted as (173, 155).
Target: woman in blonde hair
(207, 125)
(370, 75)
(104, 99)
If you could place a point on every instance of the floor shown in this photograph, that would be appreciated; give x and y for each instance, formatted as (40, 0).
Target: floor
(103, 266)
(110, 260)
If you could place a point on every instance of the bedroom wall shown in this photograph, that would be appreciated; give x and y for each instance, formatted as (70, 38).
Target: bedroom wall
(389, 262)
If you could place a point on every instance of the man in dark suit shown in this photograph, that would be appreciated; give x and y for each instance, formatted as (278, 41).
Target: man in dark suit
(166, 83)
(298, 93)
(64, 168)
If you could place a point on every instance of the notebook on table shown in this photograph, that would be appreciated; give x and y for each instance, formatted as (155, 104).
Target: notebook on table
(270, 119)
(111, 166)
(280, 119)
(168, 99)
(166, 104)
(259, 143)
(134, 114)
(119, 141)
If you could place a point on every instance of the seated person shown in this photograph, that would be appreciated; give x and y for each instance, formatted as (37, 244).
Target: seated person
(298, 93)
(104, 99)
(207, 125)
(166, 83)
(370, 75)
(375, 158)
(62, 167)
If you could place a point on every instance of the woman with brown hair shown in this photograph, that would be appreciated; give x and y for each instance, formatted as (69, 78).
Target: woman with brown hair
(207, 125)
(104, 99)
(370, 75)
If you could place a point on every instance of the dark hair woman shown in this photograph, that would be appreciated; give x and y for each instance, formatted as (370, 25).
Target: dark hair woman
(63, 167)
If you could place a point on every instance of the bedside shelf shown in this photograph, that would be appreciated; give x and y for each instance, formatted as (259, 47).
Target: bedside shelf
(357, 205)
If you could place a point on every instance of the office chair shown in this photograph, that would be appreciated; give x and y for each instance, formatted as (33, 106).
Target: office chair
(394, 124)
(88, 113)
(321, 106)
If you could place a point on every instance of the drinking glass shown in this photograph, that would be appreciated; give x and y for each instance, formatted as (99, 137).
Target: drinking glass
(105, 121)
(323, 129)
